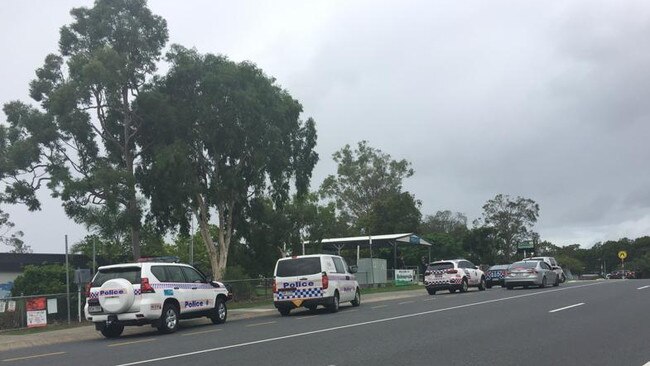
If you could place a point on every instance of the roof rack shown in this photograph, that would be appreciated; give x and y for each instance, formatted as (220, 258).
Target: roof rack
(165, 259)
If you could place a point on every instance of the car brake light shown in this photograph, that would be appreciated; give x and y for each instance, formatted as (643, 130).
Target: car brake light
(145, 287)
(326, 281)
(427, 273)
(275, 286)
(88, 286)
(452, 271)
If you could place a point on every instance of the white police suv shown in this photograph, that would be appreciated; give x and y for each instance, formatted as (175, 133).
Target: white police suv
(312, 280)
(453, 275)
(156, 292)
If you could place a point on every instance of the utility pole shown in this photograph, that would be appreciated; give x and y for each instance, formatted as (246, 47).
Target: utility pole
(192, 242)
(67, 277)
(94, 261)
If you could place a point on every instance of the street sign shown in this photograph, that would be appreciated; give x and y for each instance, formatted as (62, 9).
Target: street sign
(622, 254)
(525, 245)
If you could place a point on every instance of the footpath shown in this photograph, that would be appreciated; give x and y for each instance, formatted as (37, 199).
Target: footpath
(81, 333)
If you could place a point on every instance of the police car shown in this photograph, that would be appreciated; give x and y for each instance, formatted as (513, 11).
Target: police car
(313, 280)
(453, 275)
(152, 291)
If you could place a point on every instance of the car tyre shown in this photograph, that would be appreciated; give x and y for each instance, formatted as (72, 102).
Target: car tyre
(508, 287)
(284, 311)
(562, 278)
(431, 291)
(112, 331)
(482, 285)
(357, 299)
(334, 306)
(169, 319)
(543, 285)
(488, 285)
(557, 281)
(464, 286)
(220, 312)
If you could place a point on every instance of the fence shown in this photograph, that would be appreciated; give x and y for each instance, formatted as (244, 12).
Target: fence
(39, 310)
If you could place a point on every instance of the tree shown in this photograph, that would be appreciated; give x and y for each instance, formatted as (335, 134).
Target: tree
(83, 143)
(368, 186)
(11, 238)
(444, 222)
(512, 220)
(39, 280)
(220, 134)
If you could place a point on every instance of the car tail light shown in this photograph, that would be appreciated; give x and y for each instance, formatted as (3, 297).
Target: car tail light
(452, 271)
(427, 273)
(275, 286)
(88, 286)
(326, 281)
(145, 287)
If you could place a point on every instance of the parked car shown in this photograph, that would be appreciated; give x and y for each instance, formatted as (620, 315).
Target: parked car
(620, 274)
(551, 262)
(156, 293)
(530, 273)
(495, 275)
(313, 280)
(453, 275)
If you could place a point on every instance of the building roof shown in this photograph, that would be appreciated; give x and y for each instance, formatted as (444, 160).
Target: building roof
(377, 240)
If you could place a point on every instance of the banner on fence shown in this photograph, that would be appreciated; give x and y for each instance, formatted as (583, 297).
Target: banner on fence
(404, 276)
(52, 306)
(11, 306)
(2, 306)
(36, 318)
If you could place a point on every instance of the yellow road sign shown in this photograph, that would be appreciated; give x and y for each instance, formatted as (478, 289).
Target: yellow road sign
(622, 254)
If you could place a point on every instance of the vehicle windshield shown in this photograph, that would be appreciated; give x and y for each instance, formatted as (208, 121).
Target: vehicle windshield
(530, 264)
(501, 266)
(131, 274)
(440, 266)
(298, 267)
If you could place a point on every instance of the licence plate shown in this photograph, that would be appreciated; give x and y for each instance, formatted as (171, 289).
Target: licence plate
(287, 293)
(94, 309)
(438, 275)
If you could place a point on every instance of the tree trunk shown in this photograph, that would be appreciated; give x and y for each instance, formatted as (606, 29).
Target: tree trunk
(132, 205)
(204, 226)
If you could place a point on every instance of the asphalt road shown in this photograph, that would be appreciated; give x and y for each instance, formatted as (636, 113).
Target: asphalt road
(586, 323)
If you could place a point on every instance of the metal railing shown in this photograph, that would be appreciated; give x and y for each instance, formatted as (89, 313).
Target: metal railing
(40, 310)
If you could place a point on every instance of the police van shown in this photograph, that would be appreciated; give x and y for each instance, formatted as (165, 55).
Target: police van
(312, 280)
(152, 291)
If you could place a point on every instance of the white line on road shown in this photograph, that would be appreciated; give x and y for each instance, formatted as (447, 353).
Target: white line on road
(266, 340)
(641, 288)
(566, 307)
(33, 356)
(405, 302)
(379, 306)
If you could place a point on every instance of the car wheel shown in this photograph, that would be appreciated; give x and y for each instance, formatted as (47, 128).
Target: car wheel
(431, 291)
(543, 283)
(482, 285)
(284, 311)
(562, 278)
(525, 286)
(334, 306)
(557, 281)
(488, 285)
(169, 319)
(508, 287)
(220, 312)
(112, 331)
(452, 290)
(357, 299)
(464, 286)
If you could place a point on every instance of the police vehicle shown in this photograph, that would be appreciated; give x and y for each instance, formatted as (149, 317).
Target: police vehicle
(153, 291)
(313, 280)
(495, 275)
(453, 275)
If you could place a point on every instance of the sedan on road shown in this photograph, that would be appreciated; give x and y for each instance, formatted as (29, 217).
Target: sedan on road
(530, 273)
(495, 275)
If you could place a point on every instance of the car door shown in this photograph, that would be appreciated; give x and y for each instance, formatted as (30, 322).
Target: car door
(199, 295)
(472, 275)
(551, 276)
(346, 287)
(177, 287)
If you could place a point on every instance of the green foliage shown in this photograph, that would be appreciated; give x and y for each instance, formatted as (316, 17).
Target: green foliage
(40, 280)
(367, 190)
(11, 238)
(444, 222)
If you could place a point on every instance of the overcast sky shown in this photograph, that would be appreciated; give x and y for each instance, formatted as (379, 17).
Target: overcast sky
(546, 100)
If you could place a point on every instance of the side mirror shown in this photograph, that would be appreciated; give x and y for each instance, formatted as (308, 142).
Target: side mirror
(555, 267)
(353, 268)
(475, 267)
(214, 283)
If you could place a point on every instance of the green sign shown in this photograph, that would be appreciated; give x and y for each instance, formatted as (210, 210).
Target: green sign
(525, 245)
(404, 277)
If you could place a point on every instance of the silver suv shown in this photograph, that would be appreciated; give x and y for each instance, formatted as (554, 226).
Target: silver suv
(156, 293)
(551, 262)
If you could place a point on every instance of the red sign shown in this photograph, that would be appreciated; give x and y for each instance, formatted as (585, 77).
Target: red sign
(37, 303)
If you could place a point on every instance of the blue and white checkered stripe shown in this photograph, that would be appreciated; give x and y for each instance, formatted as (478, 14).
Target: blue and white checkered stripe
(300, 294)
(495, 274)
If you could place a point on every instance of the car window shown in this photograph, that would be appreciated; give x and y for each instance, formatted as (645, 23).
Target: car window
(469, 264)
(131, 274)
(545, 265)
(298, 267)
(192, 275)
(527, 264)
(338, 263)
(174, 274)
(440, 266)
(159, 273)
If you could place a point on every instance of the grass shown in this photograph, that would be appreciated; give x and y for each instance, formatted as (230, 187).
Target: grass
(48, 328)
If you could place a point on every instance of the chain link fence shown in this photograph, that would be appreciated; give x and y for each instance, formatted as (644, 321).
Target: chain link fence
(39, 310)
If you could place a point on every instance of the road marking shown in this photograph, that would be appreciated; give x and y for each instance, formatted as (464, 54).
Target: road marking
(201, 332)
(296, 335)
(258, 324)
(405, 302)
(34, 356)
(641, 288)
(305, 317)
(431, 299)
(351, 310)
(132, 342)
(566, 307)
(379, 306)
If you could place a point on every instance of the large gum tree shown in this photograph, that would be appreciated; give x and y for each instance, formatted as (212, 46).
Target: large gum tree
(221, 134)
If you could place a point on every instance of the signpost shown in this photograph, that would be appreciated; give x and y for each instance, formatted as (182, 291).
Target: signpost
(404, 277)
(622, 254)
(525, 245)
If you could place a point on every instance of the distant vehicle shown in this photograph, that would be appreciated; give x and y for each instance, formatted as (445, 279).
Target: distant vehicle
(313, 280)
(453, 275)
(530, 273)
(156, 293)
(551, 262)
(620, 274)
(495, 275)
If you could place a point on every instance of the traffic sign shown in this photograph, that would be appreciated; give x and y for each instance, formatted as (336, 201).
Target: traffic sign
(622, 254)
